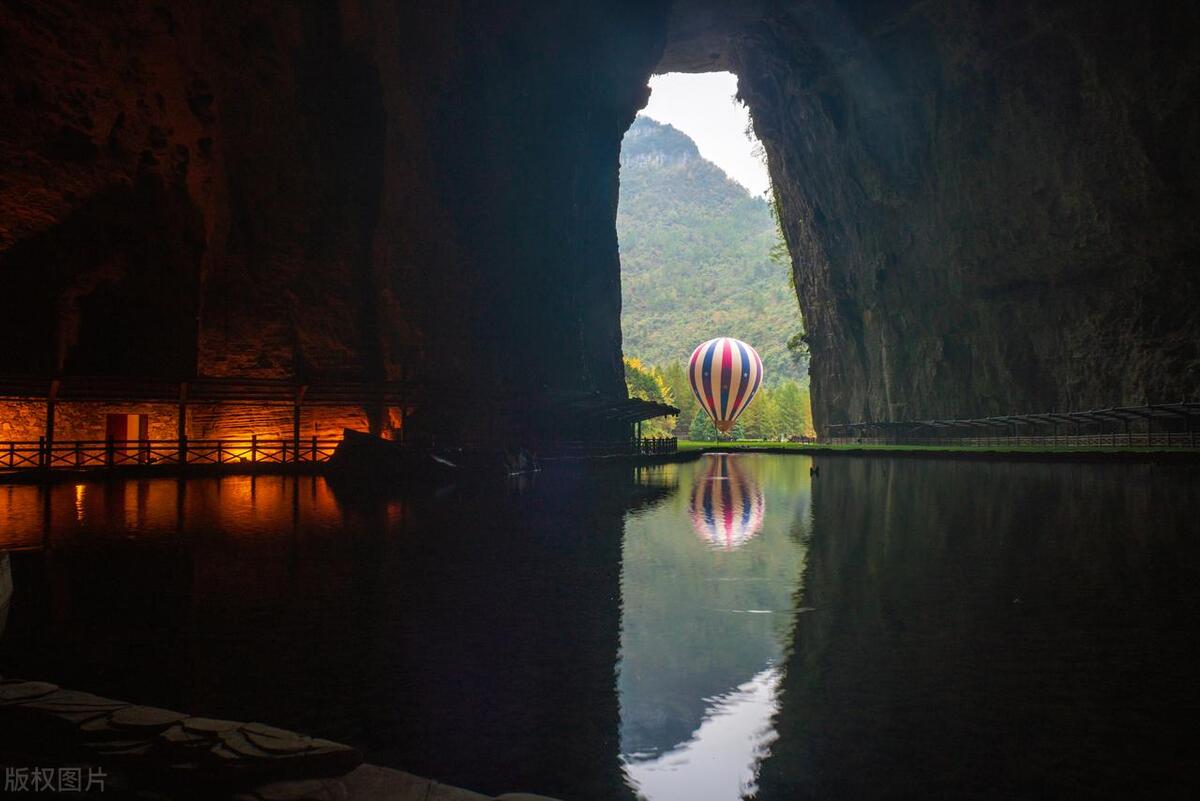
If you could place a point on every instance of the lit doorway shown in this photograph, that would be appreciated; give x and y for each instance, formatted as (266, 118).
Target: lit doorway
(130, 433)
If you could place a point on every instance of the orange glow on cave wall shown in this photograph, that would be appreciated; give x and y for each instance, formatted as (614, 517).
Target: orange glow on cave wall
(24, 420)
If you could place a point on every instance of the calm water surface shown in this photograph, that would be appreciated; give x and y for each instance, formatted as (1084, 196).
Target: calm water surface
(716, 630)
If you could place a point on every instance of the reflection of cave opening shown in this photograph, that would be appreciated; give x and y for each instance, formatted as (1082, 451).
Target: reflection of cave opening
(708, 579)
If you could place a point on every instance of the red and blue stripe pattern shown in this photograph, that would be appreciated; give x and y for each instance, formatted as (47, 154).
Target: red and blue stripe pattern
(725, 373)
(727, 504)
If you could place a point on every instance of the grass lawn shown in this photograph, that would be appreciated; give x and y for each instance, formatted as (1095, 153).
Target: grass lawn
(801, 447)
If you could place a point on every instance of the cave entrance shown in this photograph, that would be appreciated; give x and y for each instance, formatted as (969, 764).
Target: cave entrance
(702, 256)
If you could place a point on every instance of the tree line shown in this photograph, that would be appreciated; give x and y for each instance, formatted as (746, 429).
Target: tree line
(778, 412)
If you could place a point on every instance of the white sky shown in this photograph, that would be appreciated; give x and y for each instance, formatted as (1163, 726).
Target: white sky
(702, 105)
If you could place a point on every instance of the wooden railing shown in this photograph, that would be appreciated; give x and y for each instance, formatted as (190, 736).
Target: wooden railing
(1113, 439)
(637, 446)
(93, 454)
(654, 446)
(97, 454)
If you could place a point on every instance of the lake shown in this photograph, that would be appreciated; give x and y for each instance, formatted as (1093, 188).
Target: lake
(730, 627)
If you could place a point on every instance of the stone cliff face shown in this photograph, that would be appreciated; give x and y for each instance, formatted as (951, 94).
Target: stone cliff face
(177, 195)
(990, 207)
(359, 189)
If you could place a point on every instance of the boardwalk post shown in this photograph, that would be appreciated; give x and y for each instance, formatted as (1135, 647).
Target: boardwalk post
(78, 454)
(181, 423)
(110, 451)
(51, 402)
(314, 448)
(41, 451)
(254, 449)
(296, 422)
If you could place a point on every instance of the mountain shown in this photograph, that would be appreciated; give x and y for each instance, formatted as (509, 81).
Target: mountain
(695, 257)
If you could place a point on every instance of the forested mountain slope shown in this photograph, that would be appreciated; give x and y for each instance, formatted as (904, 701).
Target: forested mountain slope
(695, 257)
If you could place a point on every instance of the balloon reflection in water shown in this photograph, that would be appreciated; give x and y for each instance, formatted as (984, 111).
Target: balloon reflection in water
(726, 504)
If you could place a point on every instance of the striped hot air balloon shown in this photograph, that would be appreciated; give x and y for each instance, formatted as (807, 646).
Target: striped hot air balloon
(725, 373)
(726, 504)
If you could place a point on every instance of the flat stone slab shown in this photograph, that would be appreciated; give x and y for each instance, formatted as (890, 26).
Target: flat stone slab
(307, 790)
(163, 749)
(385, 784)
(16, 692)
(210, 726)
(145, 718)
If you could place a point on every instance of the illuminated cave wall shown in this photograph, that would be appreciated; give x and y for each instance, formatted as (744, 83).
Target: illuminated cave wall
(22, 420)
(272, 422)
(87, 421)
(25, 421)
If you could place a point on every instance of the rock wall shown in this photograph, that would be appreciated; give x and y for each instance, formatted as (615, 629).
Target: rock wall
(361, 189)
(990, 206)
(22, 420)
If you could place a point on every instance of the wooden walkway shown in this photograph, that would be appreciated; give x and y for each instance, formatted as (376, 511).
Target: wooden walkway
(93, 454)
(247, 453)
(1161, 425)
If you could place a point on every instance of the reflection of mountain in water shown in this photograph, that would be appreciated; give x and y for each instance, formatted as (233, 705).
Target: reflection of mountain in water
(726, 502)
(6, 590)
(698, 623)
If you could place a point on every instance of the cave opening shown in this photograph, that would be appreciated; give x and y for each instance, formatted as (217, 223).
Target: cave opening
(702, 255)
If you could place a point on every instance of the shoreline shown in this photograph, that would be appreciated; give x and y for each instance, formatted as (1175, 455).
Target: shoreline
(688, 451)
(65, 475)
(1027, 453)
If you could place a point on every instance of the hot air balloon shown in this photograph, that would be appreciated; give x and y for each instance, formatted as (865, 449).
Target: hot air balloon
(725, 373)
(726, 504)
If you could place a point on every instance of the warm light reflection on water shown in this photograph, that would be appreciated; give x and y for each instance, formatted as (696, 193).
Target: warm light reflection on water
(21, 516)
(66, 514)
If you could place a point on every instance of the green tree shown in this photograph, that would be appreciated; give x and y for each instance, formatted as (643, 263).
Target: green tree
(647, 383)
(703, 430)
(762, 416)
(806, 411)
(791, 414)
(754, 418)
(772, 418)
(675, 376)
